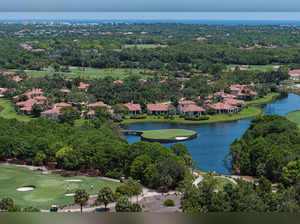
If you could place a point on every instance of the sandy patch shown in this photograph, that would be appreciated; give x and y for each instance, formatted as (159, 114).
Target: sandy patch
(25, 189)
(181, 138)
(73, 180)
(70, 195)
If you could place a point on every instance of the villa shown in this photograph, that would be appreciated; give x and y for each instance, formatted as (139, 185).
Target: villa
(158, 109)
(34, 93)
(51, 114)
(242, 91)
(192, 110)
(222, 107)
(184, 103)
(295, 75)
(133, 109)
(98, 104)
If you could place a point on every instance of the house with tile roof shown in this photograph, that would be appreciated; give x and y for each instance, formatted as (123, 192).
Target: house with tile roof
(184, 103)
(158, 109)
(133, 109)
(193, 110)
(221, 107)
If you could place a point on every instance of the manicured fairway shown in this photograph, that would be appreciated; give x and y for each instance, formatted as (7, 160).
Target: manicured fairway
(295, 117)
(50, 189)
(167, 134)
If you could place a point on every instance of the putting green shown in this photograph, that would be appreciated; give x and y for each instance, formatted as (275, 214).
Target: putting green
(168, 134)
(49, 189)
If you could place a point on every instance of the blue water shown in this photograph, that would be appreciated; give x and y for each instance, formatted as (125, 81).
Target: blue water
(213, 141)
(209, 18)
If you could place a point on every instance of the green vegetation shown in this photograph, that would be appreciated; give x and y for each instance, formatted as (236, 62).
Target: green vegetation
(143, 46)
(241, 197)
(268, 148)
(49, 189)
(246, 112)
(8, 111)
(90, 73)
(167, 134)
(267, 99)
(294, 117)
(169, 203)
(262, 68)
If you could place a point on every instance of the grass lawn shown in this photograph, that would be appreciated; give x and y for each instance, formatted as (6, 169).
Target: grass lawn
(8, 111)
(167, 134)
(294, 117)
(267, 99)
(91, 73)
(50, 189)
(261, 68)
(250, 111)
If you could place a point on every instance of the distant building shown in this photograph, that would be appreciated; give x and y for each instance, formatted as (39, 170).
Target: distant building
(295, 75)
(133, 109)
(192, 110)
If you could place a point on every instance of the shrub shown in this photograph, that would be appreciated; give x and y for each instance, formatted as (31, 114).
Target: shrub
(169, 203)
(196, 118)
(140, 116)
(6, 203)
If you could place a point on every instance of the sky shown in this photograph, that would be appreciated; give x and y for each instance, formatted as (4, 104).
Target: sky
(150, 5)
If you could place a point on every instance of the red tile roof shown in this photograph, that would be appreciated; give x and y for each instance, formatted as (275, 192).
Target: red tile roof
(221, 106)
(35, 92)
(294, 72)
(184, 102)
(3, 90)
(83, 85)
(52, 111)
(40, 98)
(193, 108)
(17, 79)
(158, 107)
(26, 109)
(98, 104)
(143, 80)
(234, 102)
(65, 90)
(91, 113)
(62, 105)
(133, 107)
(27, 103)
(118, 82)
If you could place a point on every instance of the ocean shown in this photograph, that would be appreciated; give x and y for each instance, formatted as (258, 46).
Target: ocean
(208, 18)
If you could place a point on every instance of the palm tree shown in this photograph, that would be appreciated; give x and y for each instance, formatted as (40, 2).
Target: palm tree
(81, 197)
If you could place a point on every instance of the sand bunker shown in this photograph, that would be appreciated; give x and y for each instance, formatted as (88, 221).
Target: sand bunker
(70, 195)
(181, 138)
(73, 180)
(29, 188)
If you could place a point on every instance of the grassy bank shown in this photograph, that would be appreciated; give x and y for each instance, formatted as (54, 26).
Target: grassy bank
(267, 99)
(8, 111)
(294, 117)
(250, 111)
(49, 189)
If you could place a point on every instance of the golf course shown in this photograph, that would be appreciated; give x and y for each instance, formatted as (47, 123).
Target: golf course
(168, 135)
(33, 188)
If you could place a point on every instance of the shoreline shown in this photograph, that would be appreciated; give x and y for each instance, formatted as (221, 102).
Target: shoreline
(229, 118)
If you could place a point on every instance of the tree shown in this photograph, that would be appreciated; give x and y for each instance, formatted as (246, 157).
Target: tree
(105, 196)
(139, 166)
(68, 115)
(81, 197)
(123, 205)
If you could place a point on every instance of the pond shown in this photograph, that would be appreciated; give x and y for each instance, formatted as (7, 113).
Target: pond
(213, 141)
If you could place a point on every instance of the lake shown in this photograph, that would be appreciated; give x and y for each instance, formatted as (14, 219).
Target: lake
(213, 141)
